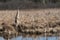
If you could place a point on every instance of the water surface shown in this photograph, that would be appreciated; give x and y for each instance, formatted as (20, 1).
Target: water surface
(37, 38)
(34, 37)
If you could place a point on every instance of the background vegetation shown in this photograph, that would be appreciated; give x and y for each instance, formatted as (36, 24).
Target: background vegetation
(36, 1)
(28, 4)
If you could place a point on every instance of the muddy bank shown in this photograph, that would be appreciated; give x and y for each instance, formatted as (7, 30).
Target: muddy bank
(30, 21)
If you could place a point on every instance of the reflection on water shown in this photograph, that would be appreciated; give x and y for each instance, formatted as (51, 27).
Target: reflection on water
(38, 38)
(32, 38)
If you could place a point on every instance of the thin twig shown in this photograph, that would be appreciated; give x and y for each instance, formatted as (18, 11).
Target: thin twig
(16, 19)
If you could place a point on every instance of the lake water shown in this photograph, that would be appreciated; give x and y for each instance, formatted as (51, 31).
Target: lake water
(33, 38)
(38, 38)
